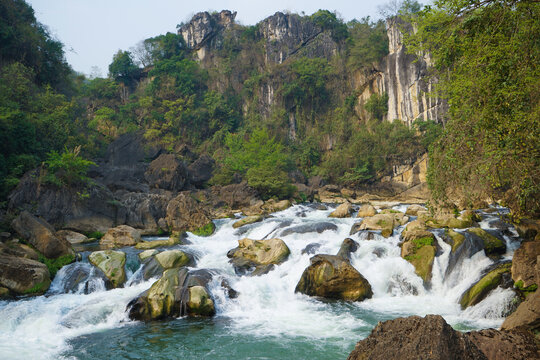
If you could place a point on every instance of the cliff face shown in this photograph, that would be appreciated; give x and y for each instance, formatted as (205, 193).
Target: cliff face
(403, 77)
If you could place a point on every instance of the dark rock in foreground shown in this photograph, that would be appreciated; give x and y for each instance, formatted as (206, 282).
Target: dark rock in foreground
(432, 338)
(416, 338)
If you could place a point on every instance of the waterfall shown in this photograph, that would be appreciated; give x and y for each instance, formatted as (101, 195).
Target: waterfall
(77, 303)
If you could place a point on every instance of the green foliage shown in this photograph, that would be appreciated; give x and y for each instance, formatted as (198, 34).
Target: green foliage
(205, 230)
(418, 243)
(377, 105)
(39, 288)
(68, 168)
(123, 69)
(368, 42)
(261, 159)
(486, 58)
(328, 21)
(56, 264)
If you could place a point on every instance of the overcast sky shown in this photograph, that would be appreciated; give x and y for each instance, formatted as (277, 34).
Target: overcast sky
(93, 30)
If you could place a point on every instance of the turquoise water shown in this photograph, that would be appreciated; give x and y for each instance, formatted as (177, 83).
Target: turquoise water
(267, 320)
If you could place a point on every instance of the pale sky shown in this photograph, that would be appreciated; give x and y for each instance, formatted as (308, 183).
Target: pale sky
(93, 30)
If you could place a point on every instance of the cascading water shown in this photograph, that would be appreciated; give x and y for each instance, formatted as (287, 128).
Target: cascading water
(267, 319)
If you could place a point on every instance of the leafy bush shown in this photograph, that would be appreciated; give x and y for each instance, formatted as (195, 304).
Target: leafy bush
(67, 168)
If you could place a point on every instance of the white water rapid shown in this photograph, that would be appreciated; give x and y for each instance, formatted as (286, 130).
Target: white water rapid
(42, 327)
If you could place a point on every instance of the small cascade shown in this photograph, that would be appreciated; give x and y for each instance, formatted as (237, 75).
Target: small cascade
(266, 306)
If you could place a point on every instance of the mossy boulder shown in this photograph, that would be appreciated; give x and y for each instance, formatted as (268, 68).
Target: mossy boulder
(333, 277)
(492, 244)
(399, 217)
(456, 239)
(271, 206)
(420, 252)
(463, 221)
(112, 264)
(382, 222)
(485, 285)
(253, 254)
(173, 258)
(147, 254)
(366, 210)
(342, 211)
(415, 230)
(247, 220)
(205, 230)
(179, 292)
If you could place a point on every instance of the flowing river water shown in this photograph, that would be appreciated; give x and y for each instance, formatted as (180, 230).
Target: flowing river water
(267, 320)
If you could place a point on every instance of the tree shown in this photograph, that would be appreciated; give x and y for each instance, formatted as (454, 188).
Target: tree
(486, 57)
(123, 69)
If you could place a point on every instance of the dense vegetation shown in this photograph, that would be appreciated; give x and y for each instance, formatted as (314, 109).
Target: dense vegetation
(487, 56)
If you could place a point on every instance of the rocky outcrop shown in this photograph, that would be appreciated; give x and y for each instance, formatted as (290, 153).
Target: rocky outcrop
(179, 292)
(258, 256)
(525, 262)
(432, 338)
(201, 170)
(41, 235)
(333, 277)
(382, 222)
(167, 172)
(111, 263)
(120, 236)
(526, 316)
(500, 275)
(23, 276)
(184, 213)
(144, 211)
(517, 344)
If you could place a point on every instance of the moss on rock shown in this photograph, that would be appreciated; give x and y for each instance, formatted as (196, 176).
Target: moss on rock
(492, 244)
(481, 289)
(420, 252)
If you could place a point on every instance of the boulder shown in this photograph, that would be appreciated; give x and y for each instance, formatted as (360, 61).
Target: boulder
(64, 207)
(450, 221)
(234, 196)
(14, 248)
(399, 217)
(348, 246)
(184, 213)
(464, 246)
(167, 172)
(414, 338)
(413, 210)
(492, 245)
(383, 222)
(342, 211)
(147, 254)
(258, 254)
(528, 229)
(23, 276)
(4, 293)
(120, 236)
(524, 264)
(72, 237)
(366, 210)
(318, 227)
(41, 236)
(201, 170)
(420, 252)
(415, 230)
(173, 296)
(527, 315)
(171, 241)
(247, 220)
(111, 263)
(516, 344)
(333, 277)
(170, 259)
(311, 248)
(143, 211)
(480, 290)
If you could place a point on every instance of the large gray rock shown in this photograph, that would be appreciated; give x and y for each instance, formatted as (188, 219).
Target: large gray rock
(167, 172)
(23, 276)
(143, 211)
(203, 27)
(41, 235)
(201, 170)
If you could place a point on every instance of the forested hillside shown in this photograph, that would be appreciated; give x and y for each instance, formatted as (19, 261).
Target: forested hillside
(289, 93)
